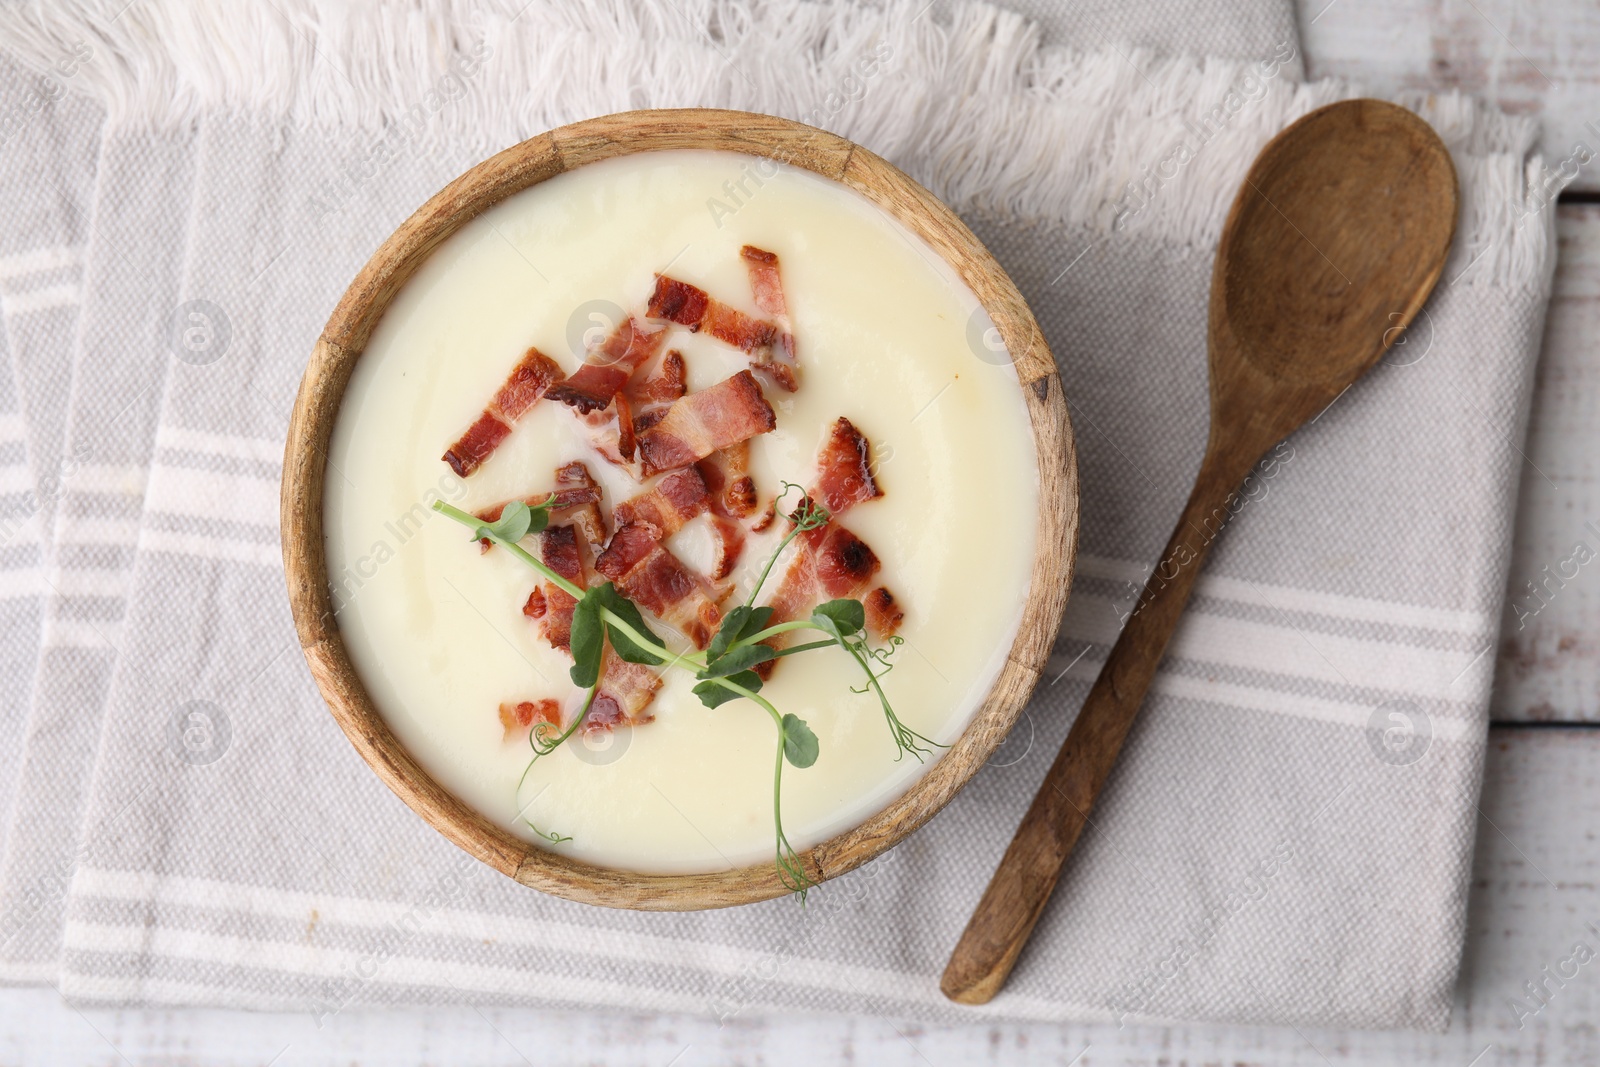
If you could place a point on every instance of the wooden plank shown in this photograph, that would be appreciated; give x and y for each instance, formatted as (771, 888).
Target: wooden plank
(1536, 891)
(1549, 665)
(1539, 59)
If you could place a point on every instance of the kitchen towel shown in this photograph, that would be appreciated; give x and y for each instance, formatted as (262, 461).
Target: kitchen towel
(1288, 836)
(49, 141)
(118, 355)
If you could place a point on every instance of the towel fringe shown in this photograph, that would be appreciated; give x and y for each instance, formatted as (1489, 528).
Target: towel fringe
(970, 103)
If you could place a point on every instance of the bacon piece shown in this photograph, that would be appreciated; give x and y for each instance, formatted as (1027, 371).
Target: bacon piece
(626, 690)
(575, 478)
(646, 420)
(608, 368)
(673, 502)
(668, 383)
(519, 717)
(477, 444)
(884, 615)
(577, 500)
(655, 579)
(726, 473)
(730, 543)
(550, 604)
(691, 306)
(844, 469)
(530, 379)
(728, 413)
(679, 302)
(765, 284)
(767, 288)
(650, 398)
(625, 432)
(570, 497)
(667, 505)
(831, 562)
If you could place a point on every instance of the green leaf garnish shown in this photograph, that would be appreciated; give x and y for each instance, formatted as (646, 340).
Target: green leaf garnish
(714, 695)
(799, 743)
(840, 618)
(606, 596)
(740, 659)
(517, 521)
(588, 641)
(740, 622)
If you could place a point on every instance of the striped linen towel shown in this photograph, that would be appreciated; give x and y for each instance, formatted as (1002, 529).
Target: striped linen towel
(49, 147)
(1288, 836)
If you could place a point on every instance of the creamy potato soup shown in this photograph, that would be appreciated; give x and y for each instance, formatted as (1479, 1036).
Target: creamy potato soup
(647, 349)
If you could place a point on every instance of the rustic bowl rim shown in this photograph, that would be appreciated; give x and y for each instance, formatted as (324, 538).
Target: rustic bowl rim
(526, 164)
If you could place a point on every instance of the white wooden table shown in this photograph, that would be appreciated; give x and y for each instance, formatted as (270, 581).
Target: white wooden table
(1536, 887)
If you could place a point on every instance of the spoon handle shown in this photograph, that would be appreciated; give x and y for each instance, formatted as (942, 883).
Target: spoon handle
(1022, 884)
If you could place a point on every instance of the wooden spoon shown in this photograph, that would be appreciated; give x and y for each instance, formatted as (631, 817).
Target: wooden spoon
(1335, 240)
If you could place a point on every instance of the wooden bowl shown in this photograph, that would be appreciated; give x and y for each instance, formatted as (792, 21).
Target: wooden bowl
(534, 161)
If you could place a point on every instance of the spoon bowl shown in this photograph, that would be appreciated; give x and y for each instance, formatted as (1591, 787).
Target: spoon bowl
(1337, 236)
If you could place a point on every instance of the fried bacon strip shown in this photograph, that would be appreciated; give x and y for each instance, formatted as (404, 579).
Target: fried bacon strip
(571, 497)
(575, 478)
(577, 500)
(727, 477)
(653, 578)
(767, 287)
(549, 604)
(730, 412)
(844, 469)
(643, 403)
(831, 562)
(636, 407)
(765, 284)
(530, 379)
(691, 306)
(608, 368)
(674, 501)
(667, 505)
(595, 392)
(626, 690)
(519, 718)
(668, 383)
(730, 543)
